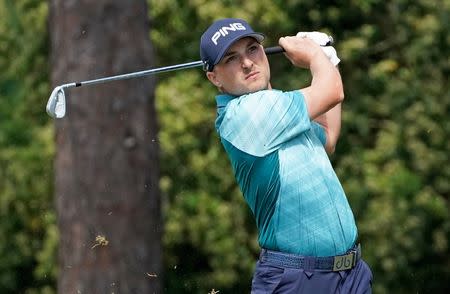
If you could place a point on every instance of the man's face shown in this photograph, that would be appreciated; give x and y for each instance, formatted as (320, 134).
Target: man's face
(243, 69)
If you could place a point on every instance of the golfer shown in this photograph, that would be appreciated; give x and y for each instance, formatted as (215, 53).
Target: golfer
(278, 144)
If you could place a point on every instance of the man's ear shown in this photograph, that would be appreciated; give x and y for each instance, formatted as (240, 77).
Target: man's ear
(212, 77)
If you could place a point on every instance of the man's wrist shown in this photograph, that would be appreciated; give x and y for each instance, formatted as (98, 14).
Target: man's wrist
(320, 62)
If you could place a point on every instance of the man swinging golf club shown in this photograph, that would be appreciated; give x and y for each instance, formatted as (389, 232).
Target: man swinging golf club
(277, 142)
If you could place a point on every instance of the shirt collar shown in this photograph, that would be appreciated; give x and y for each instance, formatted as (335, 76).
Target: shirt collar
(223, 99)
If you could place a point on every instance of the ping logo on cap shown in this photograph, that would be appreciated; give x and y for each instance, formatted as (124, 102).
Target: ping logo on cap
(222, 32)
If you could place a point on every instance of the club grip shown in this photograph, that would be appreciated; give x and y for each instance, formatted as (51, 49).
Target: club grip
(279, 49)
(273, 50)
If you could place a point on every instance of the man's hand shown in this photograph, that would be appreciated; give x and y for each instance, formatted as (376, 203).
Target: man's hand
(301, 51)
(322, 39)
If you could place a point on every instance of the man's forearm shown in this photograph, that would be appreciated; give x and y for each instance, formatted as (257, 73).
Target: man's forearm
(327, 79)
(326, 90)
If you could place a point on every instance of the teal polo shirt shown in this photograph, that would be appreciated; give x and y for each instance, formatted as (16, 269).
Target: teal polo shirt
(279, 161)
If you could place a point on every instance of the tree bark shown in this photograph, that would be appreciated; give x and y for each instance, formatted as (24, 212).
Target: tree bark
(106, 166)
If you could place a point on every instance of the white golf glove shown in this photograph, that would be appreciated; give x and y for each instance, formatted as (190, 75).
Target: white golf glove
(322, 40)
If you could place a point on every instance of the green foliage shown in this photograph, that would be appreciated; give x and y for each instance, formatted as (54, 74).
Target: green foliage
(396, 120)
(27, 220)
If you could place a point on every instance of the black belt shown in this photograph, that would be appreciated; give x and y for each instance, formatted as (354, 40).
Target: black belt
(331, 263)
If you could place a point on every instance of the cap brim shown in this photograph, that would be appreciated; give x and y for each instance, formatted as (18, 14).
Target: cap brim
(258, 36)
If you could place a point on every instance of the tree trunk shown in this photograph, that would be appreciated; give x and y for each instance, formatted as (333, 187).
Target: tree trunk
(107, 172)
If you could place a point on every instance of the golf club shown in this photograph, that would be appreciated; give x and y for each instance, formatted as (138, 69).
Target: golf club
(56, 105)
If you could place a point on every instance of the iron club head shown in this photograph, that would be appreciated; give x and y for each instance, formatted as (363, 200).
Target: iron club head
(56, 105)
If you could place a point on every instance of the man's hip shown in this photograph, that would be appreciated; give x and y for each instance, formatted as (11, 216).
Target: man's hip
(278, 272)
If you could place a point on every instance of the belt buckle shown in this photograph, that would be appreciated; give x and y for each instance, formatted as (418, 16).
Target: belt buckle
(344, 262)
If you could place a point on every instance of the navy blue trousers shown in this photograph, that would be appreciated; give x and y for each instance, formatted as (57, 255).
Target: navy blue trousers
(269, 278)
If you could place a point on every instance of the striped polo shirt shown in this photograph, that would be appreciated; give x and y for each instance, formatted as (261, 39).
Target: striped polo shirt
(279, 161)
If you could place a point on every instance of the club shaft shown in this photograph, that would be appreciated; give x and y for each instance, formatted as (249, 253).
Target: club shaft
(138, 74)
(143, 73)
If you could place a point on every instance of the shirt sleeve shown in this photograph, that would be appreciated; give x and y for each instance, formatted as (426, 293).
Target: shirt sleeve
(319, 131)
(259, 122)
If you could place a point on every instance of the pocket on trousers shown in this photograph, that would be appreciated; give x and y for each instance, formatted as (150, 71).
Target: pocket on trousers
(358, 280)
(266, 278)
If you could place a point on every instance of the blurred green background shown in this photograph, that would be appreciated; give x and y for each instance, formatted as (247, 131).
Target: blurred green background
(392, 157)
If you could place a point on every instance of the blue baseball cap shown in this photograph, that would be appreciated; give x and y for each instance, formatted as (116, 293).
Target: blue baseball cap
(223, 33)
